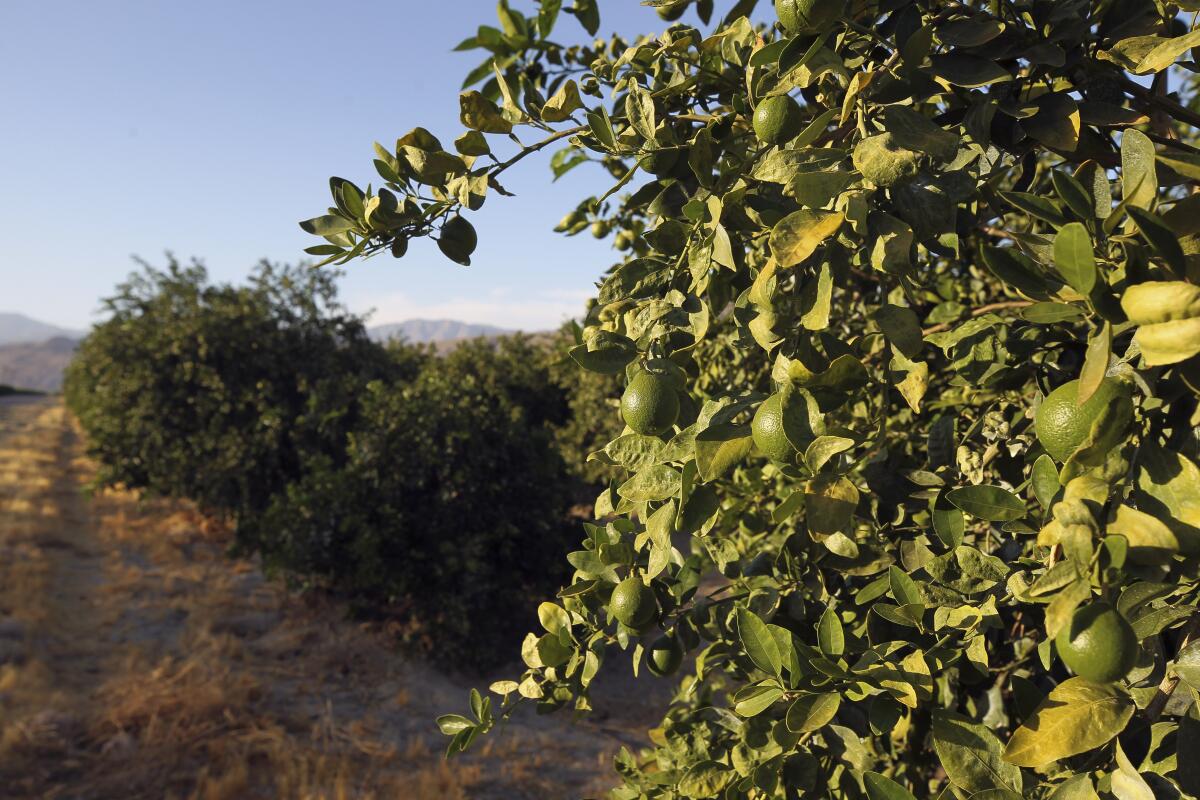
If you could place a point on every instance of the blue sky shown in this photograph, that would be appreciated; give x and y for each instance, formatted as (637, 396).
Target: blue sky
(209, 129)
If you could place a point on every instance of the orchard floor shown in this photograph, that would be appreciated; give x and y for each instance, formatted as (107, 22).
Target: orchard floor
(138, 661)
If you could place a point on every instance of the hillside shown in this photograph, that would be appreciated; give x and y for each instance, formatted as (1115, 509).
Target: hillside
(421, 331)
(36, 365)
(18, 329)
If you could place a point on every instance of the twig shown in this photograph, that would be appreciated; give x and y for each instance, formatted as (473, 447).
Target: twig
(979, 312)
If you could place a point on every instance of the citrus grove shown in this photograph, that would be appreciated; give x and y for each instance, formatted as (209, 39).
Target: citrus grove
(907, 311)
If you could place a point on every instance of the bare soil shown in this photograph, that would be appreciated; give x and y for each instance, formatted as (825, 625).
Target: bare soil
(138, 661)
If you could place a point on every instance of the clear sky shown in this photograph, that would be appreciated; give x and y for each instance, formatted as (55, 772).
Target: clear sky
(210, 128)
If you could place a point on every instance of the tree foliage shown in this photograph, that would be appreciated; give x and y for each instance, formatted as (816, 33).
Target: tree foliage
(428, 487)
(981, 202)
(221, 393)
(451, 505)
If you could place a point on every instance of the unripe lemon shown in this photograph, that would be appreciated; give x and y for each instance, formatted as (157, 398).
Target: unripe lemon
(650, 404)
(807, 16)
(1062, 426)
(1098, 644)
(767, 430)
(659, 161)
(633, 604)
(671, 13)
(778, 119)
(665, 656)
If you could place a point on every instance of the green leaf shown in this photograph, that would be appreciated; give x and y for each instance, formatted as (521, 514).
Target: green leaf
(715, 458)
(451, 724)
(795, 237)
(327, 225)
(588, 13)
(757, 700)
(904, 588)
(971, 755)
(987, 502)
(812, 712)
(706, 779)
(480, 114)
(1187, 665)
(1160, 236)
(1139, 182)
(1164, 54)
(1045, 480)
(1050, 313)
(563, 103)
(758, 642)
(902, 328)
(830, 637)
(968, 71)
(1127, 784)
(1095, 364)
(653, 483)
(883, 162)
(1077, 716)
(822, 449)
(914, 131)
(1078, 787)
(829, 504)
(1150, 541)
(639, 107)
(881, 788)
(1074, 258)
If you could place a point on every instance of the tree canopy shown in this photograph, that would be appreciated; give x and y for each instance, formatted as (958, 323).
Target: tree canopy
(961, 208)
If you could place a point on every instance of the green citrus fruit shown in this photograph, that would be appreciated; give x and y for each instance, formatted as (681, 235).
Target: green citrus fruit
(778, 119)
(659, 161)
(458, 240)
(650, 403)
(665, 656)
(633, 604)
(767, 430)
(805, 16)
(1062, 426)
(671, 13)
(1098, 644)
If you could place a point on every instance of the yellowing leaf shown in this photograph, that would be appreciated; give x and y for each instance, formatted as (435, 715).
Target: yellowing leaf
(1161, 301)
(796, 236)
(1150, 540)
(1169, 342)
(1077, 716)
(565, 101)
(970, 754)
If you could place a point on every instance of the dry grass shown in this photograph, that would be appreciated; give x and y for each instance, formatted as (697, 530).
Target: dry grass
(137, 661)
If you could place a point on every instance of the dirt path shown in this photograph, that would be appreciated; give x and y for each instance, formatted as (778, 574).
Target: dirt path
(137, 661)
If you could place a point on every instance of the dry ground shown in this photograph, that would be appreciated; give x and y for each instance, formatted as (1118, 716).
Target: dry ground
(137, 661)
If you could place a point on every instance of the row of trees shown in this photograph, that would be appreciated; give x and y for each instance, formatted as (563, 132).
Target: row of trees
(429, 485)
(908, 313)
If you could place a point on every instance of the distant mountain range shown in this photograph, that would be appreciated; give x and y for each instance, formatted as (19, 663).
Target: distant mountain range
(36, 365)
(33, 354)
(18, 329)
(422, 331)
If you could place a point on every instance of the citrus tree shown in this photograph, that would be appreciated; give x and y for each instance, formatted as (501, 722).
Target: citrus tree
(907, 312)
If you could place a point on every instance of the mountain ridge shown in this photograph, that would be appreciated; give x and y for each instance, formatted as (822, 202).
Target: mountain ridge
(423, 331)
(17, 328)
(38, 363)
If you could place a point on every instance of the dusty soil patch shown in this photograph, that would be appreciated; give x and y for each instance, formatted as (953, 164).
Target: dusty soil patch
(137, 661)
